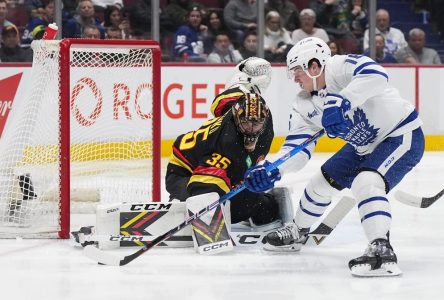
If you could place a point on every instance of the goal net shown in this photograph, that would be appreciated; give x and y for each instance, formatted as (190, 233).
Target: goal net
(87, 133)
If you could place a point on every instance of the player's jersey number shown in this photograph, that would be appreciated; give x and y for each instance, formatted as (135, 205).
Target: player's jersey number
(219, 161)
(190, 139)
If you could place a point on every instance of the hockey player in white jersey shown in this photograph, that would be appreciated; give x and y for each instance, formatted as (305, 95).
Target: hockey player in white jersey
(351, 98)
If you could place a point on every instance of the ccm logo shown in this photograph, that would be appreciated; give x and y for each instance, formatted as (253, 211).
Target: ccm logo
(112, 210)
(150, 206)
(216, 246)
(125, 239)
(251, 239)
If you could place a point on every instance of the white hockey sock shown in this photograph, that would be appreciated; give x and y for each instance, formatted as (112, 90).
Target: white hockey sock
(315, 200)
(373, 205)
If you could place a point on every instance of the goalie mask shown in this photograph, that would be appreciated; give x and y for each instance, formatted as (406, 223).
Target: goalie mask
(253, 73)
(250, 115)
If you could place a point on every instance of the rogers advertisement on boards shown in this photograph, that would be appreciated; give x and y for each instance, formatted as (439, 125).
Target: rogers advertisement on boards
(187, 92)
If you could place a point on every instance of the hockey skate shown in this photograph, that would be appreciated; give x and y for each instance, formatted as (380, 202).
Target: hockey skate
(288, 238)
(378, 260)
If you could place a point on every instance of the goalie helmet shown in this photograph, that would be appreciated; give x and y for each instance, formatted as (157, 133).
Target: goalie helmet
(306, 50)
(253, 73)
(250, 115)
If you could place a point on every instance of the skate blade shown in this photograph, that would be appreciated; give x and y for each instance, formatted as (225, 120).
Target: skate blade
(386, 270)
(287, 248)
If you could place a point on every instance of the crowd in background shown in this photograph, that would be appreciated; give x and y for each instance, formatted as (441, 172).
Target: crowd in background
(221, 31)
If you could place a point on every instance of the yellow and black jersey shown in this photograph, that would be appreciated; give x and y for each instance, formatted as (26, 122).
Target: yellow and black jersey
(214, 156)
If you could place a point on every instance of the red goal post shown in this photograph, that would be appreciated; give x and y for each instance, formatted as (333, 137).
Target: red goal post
(88, 132)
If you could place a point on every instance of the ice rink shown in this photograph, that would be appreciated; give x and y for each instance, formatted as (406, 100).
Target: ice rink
(55, 270)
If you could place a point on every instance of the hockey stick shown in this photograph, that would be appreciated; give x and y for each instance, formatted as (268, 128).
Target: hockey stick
(105, 258)
(417, 201)
(338, 212)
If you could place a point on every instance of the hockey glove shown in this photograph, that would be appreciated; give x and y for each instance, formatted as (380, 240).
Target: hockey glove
(256, 179)
(334, 120)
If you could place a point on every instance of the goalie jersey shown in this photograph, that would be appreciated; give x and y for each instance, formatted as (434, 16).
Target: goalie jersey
(377, 110)
(214, 156)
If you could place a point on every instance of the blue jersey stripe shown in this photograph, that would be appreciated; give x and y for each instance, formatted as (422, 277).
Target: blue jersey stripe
(363, 66)
(370, 200)
(309, 212)
(376, 213)
(351, 61)
(296, 145)
(314, 202)
(298, 136)
(371, 71)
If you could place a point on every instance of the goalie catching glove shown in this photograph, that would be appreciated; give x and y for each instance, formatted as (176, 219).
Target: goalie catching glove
(334, 120)
(257, 179)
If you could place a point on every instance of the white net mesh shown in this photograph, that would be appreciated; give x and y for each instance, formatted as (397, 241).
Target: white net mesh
(110, 101)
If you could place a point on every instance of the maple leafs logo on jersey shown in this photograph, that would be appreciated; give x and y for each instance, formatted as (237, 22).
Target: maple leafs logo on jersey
(362, 133)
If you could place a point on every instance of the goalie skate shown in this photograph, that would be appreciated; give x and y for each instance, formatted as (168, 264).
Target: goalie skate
(378, 260)
(288, 238)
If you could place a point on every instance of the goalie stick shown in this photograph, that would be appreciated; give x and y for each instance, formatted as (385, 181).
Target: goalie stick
(417, 201)
(102, 257)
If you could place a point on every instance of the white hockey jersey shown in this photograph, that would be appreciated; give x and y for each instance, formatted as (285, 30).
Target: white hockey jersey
(377, 110)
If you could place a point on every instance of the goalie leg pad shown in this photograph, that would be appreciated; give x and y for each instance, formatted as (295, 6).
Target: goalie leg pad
(211, 233)
(282, 196)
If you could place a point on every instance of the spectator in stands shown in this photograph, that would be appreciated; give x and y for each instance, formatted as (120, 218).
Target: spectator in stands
(394, 38)
(288, 12)
(277, 40)
(382, 57)
(74, 27)
(215, 24)
(33, 7)
(45, 17)
(91, 31)
(102, 4)
(177, 11)
(324, 10)
(334, 48)
(140, 18)
(3, 13)
(188, 39)
(11, 50)
(113, 33)
(343, 20)
(248, 48)
(437, 16)
(70, 7)
(113, 17)
(223, 51)
(307, 18)
(416, 49)
(240, 16)
(358, 18)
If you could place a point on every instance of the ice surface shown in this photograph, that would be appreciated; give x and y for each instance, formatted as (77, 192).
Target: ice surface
(55, 270)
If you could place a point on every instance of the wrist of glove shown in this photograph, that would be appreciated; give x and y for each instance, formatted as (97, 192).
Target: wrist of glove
(257, 179)
(334, 119)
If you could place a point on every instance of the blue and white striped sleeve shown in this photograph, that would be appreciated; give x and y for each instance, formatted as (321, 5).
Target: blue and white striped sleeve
(366, 79)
